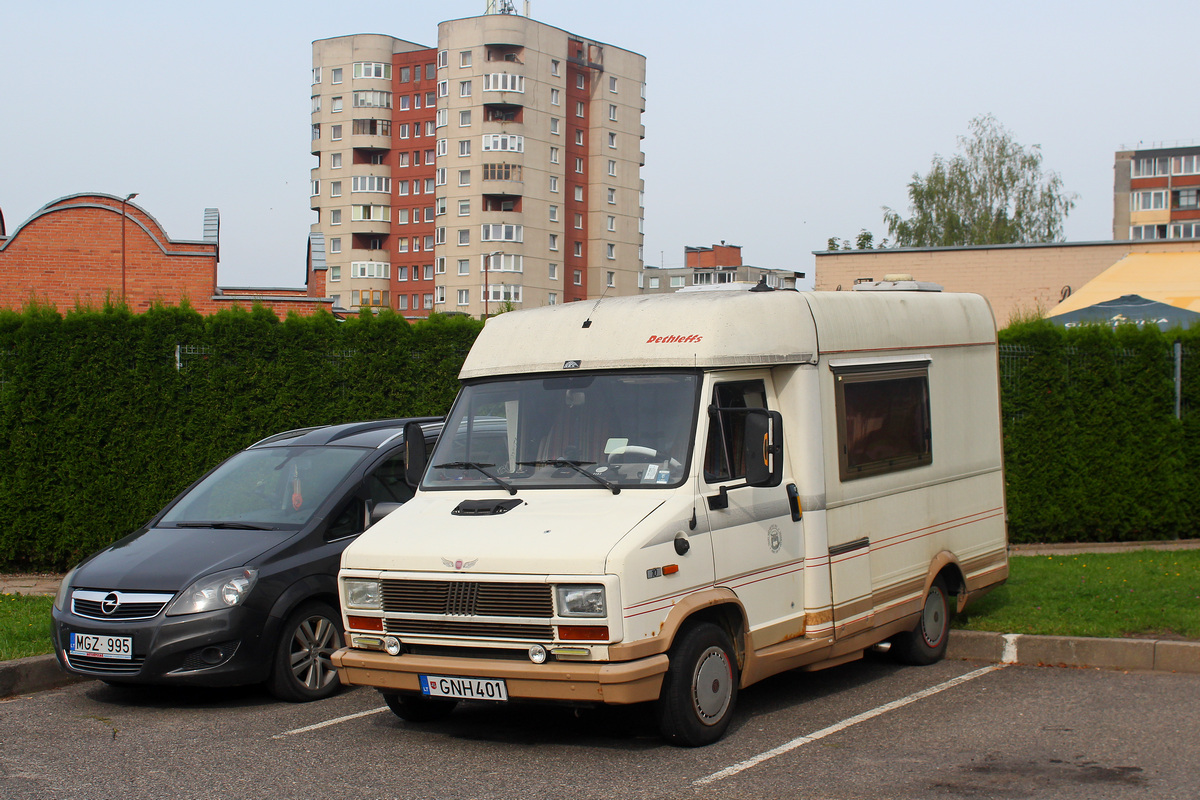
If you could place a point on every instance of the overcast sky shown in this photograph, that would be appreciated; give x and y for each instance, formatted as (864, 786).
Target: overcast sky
(773, 125)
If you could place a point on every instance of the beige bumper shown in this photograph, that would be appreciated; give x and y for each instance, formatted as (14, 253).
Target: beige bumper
(616, 683)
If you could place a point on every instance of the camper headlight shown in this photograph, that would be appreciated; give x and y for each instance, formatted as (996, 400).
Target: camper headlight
(580, 600)
(361, 593)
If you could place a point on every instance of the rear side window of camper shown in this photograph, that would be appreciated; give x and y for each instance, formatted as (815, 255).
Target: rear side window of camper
(883, 418)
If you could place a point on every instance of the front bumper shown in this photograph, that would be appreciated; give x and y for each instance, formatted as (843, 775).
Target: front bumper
(617, 683)
(215, 648)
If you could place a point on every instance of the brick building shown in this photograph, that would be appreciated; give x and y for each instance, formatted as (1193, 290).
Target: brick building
(88, 249)
(1015, 278)
(708, 266)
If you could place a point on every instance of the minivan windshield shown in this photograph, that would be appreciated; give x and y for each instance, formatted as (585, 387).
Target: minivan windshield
(264, 488)
(614, 430)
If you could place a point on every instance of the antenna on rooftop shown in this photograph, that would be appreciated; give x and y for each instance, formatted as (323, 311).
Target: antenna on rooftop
(501, 7)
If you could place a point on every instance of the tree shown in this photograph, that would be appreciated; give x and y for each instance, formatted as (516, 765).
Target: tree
(994, 192)
(865, 240)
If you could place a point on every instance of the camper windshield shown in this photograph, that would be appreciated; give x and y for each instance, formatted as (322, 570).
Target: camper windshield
(603, 431)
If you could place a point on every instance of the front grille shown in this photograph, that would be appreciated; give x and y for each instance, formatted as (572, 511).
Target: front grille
(473, 630)
(468, 598)
(106, 666)
(117, 605)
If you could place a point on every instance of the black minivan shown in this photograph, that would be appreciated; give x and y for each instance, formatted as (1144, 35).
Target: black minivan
(235, 581)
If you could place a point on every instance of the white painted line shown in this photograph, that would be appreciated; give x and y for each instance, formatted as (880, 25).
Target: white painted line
(329, 722)
(846, 723)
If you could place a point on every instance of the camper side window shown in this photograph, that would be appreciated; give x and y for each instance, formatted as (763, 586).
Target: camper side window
(883, 420)
(723, 455)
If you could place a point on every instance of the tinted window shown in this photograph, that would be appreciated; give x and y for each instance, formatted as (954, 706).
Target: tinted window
(883, 421)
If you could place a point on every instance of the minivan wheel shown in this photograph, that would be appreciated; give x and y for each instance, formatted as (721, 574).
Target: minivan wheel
(418, 707)
(303, 669)
(926, 642)
(700, 689)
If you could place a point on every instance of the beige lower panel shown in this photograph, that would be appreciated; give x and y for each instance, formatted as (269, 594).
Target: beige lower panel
(617, 683)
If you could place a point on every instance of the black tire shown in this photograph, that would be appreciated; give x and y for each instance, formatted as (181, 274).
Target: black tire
(926, 642)
(699, 691)
(418, 707)
(303, 670)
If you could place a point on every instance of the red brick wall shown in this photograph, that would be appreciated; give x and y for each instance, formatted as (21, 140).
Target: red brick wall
(719, 255)
(70, 254)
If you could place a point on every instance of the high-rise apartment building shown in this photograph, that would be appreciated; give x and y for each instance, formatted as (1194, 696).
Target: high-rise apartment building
(501, 167)
(1156, 193)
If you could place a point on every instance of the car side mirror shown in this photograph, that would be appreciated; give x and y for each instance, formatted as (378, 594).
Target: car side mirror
(415, 457)
(381, 510)
(763, 443)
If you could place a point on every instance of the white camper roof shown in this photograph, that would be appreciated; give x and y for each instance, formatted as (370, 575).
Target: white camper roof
(723, 329)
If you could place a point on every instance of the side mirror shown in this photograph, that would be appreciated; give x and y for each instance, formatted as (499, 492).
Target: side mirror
(415, 457)
(763, 444)
(381, 510)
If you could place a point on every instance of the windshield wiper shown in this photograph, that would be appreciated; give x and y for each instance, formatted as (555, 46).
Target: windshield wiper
(578, 466)
(479, 468)
(237, 526)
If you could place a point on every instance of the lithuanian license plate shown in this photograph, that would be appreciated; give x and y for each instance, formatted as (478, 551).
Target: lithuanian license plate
(463, 688)
(92, 646)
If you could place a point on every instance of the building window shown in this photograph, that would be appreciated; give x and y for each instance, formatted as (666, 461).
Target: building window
(335, 188)
(316, 103)
(677, 282)
(554, 98)
(429, 186)
(579, 136)
(554, 213)
(316, 75)
(369, 269)
(464, 236)
(554, 184)
(654, 283)
(1150, 167)
(578, 277)
(610, 278)
(370, 69)
(579, 108)
(372, 99)
(464, 208)
(553, 67)
(335, 245)
(503, 142)
(402, 188)
(554, 241)
(1185, 198)
(502, 262)
(361, 213)
(502, 233)
(402, 244)
(464, 88)
(464, 266)
(464, 119)
(612, 196)
(610, 253)
(553, 155)
(335, 75)
(578, 165)
(554, 126)
(372, 127)
(552, 299)
(335, 161)
(464, 296)
(464, 147)
(370, 183)
(443, 59)
(579, 221)
(443, 89)
(612, 84)
(335, 133)
(335, 216)
(443, 118)
(439, 294)
(464, 177)
(578, 249)
(464, 58)
(612, 140)
(402, 131)
(402, 159)
(1147, 201)
(552, 271)
(612, 223)
(335, 274)
(405, 102)
(612, 112)
(503, 82)
(612, 167)
(315, 188)
(579, 194)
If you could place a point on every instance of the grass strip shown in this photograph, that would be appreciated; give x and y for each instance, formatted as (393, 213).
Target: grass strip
(1149, 594)
(24, 626)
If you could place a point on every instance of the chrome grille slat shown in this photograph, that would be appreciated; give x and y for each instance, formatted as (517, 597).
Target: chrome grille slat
(474, 630)
(106, 666)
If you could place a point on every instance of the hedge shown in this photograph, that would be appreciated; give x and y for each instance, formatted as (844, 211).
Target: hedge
(106, 415)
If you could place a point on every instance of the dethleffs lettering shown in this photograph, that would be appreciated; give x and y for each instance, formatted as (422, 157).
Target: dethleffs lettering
(689, 339)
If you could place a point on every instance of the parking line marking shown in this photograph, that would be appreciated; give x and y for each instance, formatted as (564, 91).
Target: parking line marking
(329, 722)
(846, 723)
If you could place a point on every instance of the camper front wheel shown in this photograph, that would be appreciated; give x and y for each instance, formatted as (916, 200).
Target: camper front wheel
(700, 688)
(926, 643)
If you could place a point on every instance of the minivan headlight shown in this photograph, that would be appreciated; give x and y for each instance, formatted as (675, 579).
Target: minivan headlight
(362, 593)
(64, 589)
(214, 592)
(580, 600)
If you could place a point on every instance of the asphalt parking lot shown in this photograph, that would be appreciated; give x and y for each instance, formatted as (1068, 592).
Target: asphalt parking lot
(866, 729)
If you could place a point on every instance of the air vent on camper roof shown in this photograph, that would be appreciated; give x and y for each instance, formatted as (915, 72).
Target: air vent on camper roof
(897, 282)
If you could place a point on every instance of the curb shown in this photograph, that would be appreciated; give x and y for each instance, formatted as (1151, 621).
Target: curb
(39, 673)
(1149, 655)
(33, 674)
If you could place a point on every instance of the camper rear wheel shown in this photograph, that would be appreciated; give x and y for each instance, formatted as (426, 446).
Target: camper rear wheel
(926, 643)
(700, 688)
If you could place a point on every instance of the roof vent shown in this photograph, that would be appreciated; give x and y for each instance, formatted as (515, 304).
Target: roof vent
(897, 283)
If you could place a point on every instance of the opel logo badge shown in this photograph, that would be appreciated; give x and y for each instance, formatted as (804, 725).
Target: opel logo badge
(108, 606)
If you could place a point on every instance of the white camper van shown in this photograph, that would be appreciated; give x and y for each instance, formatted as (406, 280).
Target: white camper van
(667, 498)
